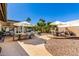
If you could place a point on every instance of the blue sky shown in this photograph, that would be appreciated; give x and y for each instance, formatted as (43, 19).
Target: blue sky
(48, 11)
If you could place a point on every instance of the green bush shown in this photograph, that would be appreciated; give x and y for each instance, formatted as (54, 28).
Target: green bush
(1, 33)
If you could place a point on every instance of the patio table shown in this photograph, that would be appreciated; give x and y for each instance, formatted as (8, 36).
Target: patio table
(19, 35)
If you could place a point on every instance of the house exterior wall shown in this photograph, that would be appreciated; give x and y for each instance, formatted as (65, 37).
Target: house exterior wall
(2, 15)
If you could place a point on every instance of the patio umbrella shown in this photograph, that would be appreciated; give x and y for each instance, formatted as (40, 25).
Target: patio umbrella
(22, 25)
(70, 24)
(74, 23)
(64, 25)
(57, 23)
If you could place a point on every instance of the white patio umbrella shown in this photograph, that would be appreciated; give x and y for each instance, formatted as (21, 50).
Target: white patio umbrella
(73, 22)
(57, 23)
(64, 25)
(22, 25)
(70, 24)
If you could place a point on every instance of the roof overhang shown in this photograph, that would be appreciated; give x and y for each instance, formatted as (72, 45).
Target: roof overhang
(2, 11)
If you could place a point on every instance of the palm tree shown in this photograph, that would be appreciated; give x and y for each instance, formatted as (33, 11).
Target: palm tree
(28, 19)
(41, 25)
(48, 27)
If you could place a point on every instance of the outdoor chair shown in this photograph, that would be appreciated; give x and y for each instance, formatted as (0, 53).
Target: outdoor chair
(54, 33)
(62, 33)
(39, 33)
(23, 37)
(30, 35)
(7, 33)
(15, 37)
(72, 34)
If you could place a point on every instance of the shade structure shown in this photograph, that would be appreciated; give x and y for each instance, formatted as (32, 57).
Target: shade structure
(21, 26)
(24, 23)
(73, 23)
(57, 23)
(69, 25)
(65, 25)
(53, 24)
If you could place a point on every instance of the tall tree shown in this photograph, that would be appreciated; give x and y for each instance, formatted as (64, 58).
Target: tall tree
(48, 27)
(41, 25)
(28, 19)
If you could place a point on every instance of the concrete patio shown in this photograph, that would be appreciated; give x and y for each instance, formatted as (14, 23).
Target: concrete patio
(28, 47)
(35, 47)
(44, 45)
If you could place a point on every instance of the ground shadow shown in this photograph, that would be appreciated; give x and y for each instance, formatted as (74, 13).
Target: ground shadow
(64, 37)
(72, 38)
(34, 41)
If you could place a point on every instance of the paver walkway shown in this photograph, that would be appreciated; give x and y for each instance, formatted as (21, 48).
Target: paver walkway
(12, 49)
(32, 47)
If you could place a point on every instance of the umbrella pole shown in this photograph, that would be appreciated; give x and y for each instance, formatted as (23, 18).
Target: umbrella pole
(22, 29)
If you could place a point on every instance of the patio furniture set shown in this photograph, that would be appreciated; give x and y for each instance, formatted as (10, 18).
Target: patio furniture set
(66, 34)
(27, 35)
